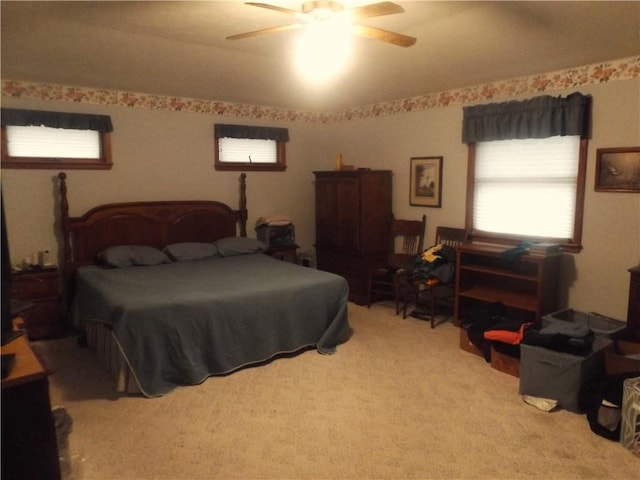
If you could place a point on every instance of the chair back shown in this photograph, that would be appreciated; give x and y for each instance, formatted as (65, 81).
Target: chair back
(450, 236)
(407, 241)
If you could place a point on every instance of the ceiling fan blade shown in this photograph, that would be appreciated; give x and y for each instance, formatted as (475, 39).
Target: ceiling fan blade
(288, 11)
(283, 28)
(384, 35)
(375, 10)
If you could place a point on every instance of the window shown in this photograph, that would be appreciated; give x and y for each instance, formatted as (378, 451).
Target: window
(528, 188)
(41, 139)
(241, 147)
(527, 172)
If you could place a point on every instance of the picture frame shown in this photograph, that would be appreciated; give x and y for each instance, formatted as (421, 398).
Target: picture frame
(617, 169)
(425, 187)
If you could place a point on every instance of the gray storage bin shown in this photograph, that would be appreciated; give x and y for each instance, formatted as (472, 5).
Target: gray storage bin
(600, 325)
(558, 375)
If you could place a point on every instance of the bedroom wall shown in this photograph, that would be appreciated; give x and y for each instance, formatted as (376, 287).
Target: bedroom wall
(169, 155)
(595, 279)
(160, 155)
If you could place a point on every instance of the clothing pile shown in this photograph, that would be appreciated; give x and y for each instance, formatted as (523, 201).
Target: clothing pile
(436, 262)
(490, 324)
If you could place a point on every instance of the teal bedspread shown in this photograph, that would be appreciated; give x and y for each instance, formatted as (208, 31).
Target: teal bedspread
(179, 323)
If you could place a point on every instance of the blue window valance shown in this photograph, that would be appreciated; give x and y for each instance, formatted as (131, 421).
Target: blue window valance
(247, 131)
(538, 117)
(71, 121)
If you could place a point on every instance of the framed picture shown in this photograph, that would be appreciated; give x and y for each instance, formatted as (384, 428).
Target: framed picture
(618, 169)
(426, 182)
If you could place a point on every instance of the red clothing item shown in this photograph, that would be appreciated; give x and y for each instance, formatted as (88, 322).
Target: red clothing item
(507, 336)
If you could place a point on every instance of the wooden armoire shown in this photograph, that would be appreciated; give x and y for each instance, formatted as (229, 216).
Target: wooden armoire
(353, 211)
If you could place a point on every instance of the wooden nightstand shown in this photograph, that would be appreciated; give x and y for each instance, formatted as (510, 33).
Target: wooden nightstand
(285, 253)
(42, 288)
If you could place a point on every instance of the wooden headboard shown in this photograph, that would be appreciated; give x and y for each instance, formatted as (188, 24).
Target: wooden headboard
(155, 224)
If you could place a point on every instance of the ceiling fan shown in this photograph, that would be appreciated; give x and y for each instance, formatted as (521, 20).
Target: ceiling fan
(315, 12)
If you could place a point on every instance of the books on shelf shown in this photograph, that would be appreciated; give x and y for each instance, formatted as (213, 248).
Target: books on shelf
(545, 247)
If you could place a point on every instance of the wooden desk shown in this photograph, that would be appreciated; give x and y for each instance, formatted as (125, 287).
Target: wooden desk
(29, 444)
(27, 367)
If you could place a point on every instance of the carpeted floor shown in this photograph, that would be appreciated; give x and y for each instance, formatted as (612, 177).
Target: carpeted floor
(398, 401)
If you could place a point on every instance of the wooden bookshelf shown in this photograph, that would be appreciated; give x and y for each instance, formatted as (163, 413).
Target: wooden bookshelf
(527, 283)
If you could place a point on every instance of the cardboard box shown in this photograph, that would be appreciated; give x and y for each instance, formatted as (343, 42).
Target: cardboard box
(467, 346)
(504, 362)
(619, 360)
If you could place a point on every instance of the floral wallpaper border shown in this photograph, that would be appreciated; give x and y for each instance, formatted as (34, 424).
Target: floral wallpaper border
(622, 69)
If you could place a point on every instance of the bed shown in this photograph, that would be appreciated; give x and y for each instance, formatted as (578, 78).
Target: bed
(170, 293)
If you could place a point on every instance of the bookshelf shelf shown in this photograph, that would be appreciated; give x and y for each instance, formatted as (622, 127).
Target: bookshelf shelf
(510, 299)
(526, 284)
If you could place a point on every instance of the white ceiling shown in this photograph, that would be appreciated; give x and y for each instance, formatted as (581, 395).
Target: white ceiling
(179, 48)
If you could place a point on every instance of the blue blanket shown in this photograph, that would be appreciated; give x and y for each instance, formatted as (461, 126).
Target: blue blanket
(182, 322)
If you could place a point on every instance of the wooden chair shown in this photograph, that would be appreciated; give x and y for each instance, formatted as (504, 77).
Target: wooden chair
(433, 293)
(406, 243)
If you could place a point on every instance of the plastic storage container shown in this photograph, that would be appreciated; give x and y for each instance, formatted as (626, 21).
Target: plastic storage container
(600, 325)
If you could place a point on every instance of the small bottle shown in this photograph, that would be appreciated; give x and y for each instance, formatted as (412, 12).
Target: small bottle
(43, 257)
(339, 162)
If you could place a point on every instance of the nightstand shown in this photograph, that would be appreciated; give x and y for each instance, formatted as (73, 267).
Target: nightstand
(41, 287)
(286, 253)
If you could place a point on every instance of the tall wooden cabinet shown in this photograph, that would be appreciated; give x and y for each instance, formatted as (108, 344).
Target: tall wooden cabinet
(353, 210)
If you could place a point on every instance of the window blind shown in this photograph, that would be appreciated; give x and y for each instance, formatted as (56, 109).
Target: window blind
(46, 142)
(527, 186)
(247, 150)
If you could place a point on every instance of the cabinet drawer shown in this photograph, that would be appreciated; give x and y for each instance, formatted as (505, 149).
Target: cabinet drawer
(28, 287)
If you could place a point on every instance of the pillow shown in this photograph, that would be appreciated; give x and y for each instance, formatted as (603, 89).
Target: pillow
(132, 255)
(230, 246)
(186, 251)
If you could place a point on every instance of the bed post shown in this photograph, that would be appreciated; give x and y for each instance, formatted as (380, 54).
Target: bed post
(67, 271)
(243, 205)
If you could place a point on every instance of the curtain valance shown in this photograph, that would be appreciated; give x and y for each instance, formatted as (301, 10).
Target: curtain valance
(72, 121)
(538, 117)
(247, 131)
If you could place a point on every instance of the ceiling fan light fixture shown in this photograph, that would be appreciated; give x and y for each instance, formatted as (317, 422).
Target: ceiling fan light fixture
(323, 51)
(328, 12)
(321, 10)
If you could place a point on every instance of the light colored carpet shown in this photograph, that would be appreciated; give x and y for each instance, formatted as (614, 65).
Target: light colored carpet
(399, 400)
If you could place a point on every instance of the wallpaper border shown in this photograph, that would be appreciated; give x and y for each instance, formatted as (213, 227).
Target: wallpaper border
(603, 72)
